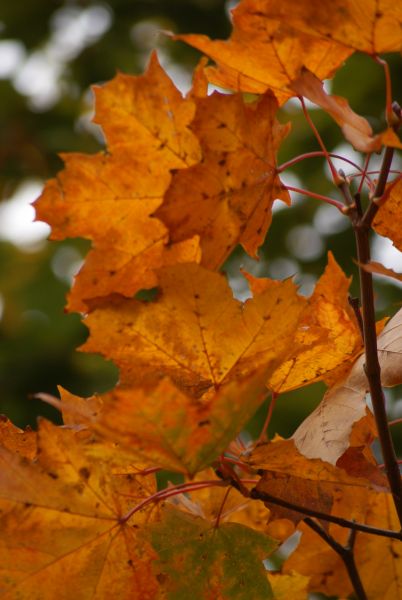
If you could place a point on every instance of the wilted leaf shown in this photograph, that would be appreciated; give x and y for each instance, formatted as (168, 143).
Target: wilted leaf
(196, 332)
(62, 529)
(310, 483)
(235, 185)
(109, 197)
(199, 561)
(355, 128)
(325, 432)
(379, 269)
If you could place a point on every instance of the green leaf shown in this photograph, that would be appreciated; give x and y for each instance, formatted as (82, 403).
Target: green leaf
(201, 562)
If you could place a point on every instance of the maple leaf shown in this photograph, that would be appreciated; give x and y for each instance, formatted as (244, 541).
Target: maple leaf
(311, 483)
(17, 440)
(265, 53)
(195, 332)
(160, 425)
(235, 185)
(374, 27)
(327, 335)
(109, 197)
(387, 220)
(325, 432)
(378, 559)
(63, 521)
(355, 128)
(203, 562)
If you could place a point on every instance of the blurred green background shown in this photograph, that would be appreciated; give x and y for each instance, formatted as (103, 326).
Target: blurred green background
(51, 52)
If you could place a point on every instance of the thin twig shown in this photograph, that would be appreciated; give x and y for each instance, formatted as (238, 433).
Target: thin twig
(265, 497)
(218, 517)
(314, 129)
(318, 153)
(261, 437)
(345, 553)
(326, 199)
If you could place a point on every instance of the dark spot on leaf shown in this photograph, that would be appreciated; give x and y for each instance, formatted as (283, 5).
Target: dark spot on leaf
(84, 472)
(204, 422)
(53, 475)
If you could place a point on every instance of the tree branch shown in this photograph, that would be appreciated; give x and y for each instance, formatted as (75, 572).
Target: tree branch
(265, 497)
(346, 554)
(372, 365)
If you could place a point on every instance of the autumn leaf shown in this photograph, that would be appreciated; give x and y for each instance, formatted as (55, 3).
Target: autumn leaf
(160, 425)
(387, 220)
(325, 432)
(327, 335)
(235, 185)
(355, 128)
(109, 197)
(378, 269)
(310, 483)
(225, 503)
(289, 587)
(374, 27)
(378, 559)
(316, 560)
(199, 561)
(195, 332)
(63, 521)
(266, 53)
(22, 442)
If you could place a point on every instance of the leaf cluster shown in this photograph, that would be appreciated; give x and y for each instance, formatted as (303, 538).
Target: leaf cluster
(183, 182)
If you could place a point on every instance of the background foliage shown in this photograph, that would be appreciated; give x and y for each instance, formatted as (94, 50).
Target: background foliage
(51, 53)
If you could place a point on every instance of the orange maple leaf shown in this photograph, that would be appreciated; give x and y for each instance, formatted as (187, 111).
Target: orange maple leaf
(162, 426)
(195, 332)
(64, 532)
(109, 197)
(265, 52)
(235, 185)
